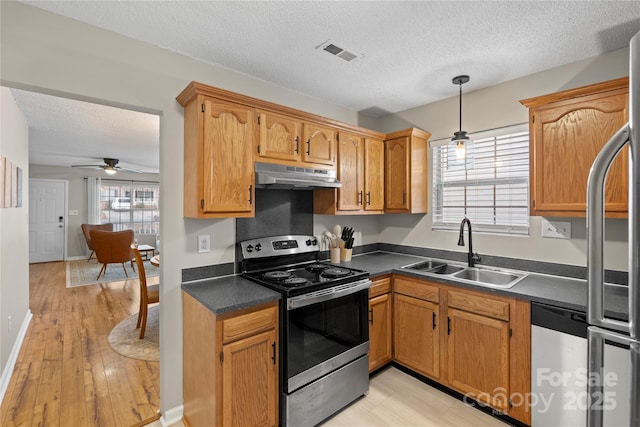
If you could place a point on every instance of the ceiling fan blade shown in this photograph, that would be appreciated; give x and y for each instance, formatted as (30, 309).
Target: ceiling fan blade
(88, 166)
(128, 170)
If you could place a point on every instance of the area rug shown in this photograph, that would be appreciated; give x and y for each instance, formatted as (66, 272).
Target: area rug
(81, 273)
(125, 338)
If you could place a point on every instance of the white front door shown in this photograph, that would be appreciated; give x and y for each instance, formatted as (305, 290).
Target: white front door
(47, 222)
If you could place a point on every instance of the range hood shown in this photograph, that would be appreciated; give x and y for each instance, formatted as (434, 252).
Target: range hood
(294, 178)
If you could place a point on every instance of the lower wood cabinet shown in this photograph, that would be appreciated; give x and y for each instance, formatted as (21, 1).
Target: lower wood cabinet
(415, 333)
(379, 323)
(230, 365)
(478, 357)
(474, 342)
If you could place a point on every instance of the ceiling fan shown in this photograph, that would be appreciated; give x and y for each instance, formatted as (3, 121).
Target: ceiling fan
(110, 166)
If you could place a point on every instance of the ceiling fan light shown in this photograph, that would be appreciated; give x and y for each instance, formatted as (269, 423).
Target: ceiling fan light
(110, 170)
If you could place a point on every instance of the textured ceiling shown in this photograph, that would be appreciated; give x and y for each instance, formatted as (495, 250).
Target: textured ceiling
(64, 132)
(411, 50)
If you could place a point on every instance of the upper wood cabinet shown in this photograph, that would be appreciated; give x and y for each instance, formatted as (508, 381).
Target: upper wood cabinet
(218, 170)
(373, 175)
(279, 137)
(361, 172)
(350, 172)
(406, 171)
(567, 130)
(319, 144)
(219, 137)
(284, 137)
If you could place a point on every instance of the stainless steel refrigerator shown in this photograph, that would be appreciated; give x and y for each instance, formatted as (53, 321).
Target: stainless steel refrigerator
(601, 328)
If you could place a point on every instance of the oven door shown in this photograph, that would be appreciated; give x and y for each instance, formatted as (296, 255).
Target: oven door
(325, 330)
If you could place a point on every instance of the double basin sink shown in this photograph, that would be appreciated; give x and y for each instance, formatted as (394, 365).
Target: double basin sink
(481, 275)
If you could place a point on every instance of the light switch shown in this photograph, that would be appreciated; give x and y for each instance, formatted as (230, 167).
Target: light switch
(73, 212)
(556, 229)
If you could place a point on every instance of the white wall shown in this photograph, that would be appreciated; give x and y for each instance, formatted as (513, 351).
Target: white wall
(14, 249)
(48, 53)
(495, 107)
(76, 246)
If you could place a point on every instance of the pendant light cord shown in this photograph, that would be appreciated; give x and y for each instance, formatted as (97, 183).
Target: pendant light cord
(460, 85)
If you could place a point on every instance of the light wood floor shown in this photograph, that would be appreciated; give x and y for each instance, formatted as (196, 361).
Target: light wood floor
(397, 399)
(66, 373)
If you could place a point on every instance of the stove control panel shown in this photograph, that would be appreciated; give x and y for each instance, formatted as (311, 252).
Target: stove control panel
(285, 244)
(278, 245)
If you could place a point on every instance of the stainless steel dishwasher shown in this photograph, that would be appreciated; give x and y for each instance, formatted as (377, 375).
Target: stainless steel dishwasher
(559, 372)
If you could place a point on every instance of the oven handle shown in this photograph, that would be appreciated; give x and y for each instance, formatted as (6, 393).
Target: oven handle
(327, 294)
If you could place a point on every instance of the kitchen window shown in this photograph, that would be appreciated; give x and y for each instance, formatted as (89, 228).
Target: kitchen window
(490, 185)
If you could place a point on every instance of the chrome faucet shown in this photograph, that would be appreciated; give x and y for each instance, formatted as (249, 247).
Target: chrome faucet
(471, 257)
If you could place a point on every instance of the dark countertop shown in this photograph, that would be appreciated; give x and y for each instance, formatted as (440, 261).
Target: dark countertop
(229, 293)
(546, 289)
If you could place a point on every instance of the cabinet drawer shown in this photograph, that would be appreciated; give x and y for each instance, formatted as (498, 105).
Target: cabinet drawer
(416, 289)
(242, 326)
(380, 286)
(474, 303)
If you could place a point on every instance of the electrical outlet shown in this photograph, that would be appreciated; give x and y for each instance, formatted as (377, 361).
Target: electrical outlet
(204, 243)
(556, 229)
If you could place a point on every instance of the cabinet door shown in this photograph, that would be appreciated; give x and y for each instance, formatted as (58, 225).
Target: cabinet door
(249, 381)
(373, 174)
(379, 331)
(415, 334)
(478, 357)
(350, 150)
(319, 144)
(566, 138)
(396, 175)
(279, 137)
(228, 174)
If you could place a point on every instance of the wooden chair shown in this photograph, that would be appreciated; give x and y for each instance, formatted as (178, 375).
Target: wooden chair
(113, 247)
(148, 294)
(86, 228)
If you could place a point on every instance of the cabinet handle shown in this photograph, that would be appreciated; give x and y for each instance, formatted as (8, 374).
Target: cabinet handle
(251, 194)
(433, 319)
(368, 197)
(297, 144)
(448, 325)
(359, 197)
(273, 356)
(404, 198)
(309, 147)
(371, 316)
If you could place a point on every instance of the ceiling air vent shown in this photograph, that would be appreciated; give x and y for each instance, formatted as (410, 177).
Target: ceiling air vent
(334, 49)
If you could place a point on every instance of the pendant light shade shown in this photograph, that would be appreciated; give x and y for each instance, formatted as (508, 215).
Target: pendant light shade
(460, 138)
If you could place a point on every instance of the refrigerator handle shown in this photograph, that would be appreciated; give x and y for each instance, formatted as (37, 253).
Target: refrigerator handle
(595, 385)
(595, 230)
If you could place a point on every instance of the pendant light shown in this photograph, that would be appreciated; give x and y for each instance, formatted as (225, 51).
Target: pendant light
(460, 138)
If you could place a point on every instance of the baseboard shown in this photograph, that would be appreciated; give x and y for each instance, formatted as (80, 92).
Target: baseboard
(13, 356)
(172, 416)
(77, 258)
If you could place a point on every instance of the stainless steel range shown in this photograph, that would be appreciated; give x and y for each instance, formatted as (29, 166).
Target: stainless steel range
(324, 331)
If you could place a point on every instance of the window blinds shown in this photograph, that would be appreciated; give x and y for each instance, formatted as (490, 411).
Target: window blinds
(490, 186)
